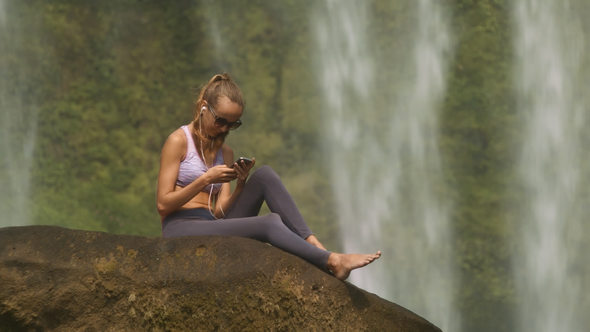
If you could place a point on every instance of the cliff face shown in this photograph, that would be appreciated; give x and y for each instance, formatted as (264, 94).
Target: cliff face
(53, 278)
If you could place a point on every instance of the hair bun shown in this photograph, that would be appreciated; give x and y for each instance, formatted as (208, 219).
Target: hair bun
(221, 77)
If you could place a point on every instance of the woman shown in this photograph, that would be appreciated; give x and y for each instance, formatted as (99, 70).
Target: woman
(194, 195)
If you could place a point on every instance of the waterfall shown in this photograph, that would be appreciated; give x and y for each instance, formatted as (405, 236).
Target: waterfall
(18, 126)
(550, 48)
(381, 138)
(213, 11)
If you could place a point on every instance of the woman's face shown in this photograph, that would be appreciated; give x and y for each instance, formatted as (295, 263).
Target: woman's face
(219, 119)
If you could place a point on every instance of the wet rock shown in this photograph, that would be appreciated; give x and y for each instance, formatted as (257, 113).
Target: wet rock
(54, 278)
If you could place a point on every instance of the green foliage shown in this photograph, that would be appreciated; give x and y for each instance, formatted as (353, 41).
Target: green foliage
(476, 128)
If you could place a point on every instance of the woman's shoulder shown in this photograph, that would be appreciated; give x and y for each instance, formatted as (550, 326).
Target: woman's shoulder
(226, 149)
(228, 154)
(176, 141)
(177, 136)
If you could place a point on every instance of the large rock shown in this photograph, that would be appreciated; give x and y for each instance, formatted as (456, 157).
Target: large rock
(53, 278)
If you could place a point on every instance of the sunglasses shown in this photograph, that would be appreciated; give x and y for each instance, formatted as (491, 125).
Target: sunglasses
(221, 122)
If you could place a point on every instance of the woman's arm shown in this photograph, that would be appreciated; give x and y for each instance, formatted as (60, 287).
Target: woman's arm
(169, 200)
(226, 197)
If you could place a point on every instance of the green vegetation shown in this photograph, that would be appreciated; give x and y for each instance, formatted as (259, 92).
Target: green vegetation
(477, 124)
(109, 80)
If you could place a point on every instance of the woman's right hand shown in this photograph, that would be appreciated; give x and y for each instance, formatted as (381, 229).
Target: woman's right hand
(220, 174)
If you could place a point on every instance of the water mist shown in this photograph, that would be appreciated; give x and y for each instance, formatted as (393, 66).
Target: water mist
(550, 268)
(384, 157)
(18, 126)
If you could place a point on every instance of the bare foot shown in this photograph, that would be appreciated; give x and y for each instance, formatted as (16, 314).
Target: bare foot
(341, 264)
(314, 240)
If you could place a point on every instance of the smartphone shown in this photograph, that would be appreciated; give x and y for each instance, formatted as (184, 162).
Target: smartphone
(247, 161)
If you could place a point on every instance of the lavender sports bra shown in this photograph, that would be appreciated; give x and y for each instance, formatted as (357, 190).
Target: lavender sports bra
(193, 166)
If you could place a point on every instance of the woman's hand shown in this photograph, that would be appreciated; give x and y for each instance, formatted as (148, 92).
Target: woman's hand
(220, 174)
(243, 170)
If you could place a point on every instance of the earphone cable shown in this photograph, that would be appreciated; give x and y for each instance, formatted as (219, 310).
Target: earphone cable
(207, 167)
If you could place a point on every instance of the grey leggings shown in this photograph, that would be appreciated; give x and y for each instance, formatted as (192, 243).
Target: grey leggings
(284, 228)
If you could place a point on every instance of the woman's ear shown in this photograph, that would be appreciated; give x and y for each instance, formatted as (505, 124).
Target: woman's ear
(203, 106)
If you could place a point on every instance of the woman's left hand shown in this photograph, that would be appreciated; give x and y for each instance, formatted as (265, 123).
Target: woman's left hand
(243, 170)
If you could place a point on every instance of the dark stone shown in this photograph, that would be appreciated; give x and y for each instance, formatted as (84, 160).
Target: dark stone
(54, 278)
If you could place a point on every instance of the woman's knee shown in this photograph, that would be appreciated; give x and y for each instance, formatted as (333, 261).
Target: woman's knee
(273, 224)
(265, 173)
(272, 220)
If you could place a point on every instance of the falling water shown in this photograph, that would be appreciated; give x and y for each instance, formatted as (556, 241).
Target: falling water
(551, 81)
(213, 11)
(385, 165)
(17, 129)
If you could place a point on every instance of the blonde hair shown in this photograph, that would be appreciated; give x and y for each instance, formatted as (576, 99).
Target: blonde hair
(220, 85)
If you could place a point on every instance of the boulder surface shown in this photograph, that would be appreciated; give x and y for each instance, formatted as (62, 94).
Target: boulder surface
(53, 278)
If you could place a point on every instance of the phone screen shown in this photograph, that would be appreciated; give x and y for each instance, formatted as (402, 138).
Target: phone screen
(245, 160)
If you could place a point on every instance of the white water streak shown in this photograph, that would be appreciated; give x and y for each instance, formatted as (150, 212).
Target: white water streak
(18, 129)
(550, 47)
(385, 163)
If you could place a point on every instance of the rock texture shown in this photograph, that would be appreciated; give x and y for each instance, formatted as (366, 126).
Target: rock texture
(53, 278)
